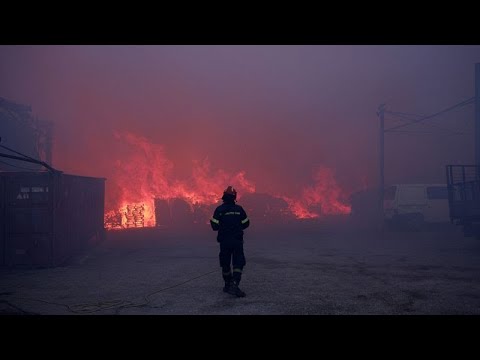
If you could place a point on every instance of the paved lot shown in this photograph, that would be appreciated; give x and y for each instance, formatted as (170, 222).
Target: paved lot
(306, 269)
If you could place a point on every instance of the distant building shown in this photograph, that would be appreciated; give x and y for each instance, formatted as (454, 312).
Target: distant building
(21, 131)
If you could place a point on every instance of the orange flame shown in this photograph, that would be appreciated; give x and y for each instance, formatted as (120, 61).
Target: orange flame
(325, 195)
(146, 174)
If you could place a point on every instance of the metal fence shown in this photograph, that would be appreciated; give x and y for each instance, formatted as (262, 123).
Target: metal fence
(463, 182)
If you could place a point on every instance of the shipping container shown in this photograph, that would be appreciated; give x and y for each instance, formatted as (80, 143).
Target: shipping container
(46, 218)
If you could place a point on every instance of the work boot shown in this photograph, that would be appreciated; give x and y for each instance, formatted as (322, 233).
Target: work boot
(228, 284)
(235, 290)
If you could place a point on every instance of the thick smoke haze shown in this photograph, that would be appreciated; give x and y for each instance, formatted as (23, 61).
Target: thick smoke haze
(277, 113)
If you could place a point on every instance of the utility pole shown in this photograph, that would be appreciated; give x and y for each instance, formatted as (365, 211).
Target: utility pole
(477, 114)
(381, 157)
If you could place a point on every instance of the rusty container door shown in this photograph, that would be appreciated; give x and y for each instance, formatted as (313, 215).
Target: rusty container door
(28, 219)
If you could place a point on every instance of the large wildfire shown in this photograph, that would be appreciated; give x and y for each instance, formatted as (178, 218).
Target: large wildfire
(145, 185)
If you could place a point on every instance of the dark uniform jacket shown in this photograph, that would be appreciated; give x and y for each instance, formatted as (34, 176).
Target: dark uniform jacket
(229, 219)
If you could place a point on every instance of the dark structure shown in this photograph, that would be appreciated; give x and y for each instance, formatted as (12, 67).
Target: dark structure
(178, 213)
(463, 183)
(47, 217)
(30, 135)
(266, 209)
(364, 213)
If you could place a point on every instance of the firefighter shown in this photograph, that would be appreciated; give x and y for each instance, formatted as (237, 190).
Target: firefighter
(229, 219)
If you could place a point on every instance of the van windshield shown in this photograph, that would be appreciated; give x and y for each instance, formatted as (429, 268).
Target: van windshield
(412, 195)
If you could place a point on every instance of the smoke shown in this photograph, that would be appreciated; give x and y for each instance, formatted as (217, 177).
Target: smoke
(146, 173)
(260, 116)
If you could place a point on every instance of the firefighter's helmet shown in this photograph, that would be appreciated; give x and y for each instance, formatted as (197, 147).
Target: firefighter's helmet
(230, 192)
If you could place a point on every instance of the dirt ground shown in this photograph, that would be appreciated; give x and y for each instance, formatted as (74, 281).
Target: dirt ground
(327, 268)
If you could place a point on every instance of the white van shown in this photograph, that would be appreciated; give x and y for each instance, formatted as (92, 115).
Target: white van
(416, 204)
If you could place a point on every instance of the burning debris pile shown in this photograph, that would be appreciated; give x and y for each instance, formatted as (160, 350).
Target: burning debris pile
(324, 198)
(131, 216)
(113, 220)
(134, 215)
(155, 197)
(266, 208)
(178, 212)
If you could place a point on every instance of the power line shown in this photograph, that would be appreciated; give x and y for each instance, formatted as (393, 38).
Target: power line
(428, 132)
(407, 117)
(18, 153)
(404, 118)
(26, 158)
(402, 114)
(16, 166)
(401, 119)
(463, 103)
(430, 125)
